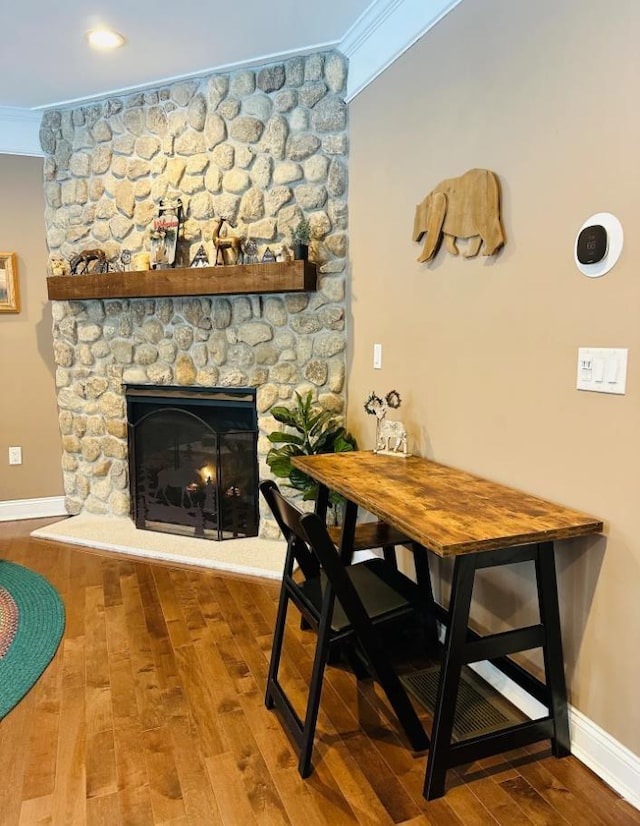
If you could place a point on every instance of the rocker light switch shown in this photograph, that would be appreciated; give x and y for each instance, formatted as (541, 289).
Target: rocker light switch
(377, 356)
(598, 369)
(602, 369)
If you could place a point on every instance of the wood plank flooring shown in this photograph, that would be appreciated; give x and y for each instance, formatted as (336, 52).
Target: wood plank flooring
(152, 713)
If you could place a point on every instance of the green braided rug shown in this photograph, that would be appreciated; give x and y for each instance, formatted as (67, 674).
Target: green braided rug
(31, 626)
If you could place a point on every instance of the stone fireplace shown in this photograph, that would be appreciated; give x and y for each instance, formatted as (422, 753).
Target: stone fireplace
(263, 147)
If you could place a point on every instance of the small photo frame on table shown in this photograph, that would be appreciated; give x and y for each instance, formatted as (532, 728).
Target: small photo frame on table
(9, 293)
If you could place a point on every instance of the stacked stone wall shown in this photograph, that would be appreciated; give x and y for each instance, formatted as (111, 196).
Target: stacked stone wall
(261, 147)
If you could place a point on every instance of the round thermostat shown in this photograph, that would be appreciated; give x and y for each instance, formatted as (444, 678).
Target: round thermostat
(598, 244)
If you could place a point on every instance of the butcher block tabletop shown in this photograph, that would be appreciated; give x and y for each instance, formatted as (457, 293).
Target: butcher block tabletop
(447, 510)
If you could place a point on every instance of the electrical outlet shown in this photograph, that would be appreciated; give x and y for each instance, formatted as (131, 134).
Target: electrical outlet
(15, 455)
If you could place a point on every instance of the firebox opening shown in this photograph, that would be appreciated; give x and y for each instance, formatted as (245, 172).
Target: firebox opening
(193, 463)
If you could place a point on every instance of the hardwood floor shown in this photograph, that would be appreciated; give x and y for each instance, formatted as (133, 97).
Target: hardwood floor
(152, 713)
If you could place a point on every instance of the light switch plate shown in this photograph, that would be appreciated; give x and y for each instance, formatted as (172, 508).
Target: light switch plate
(15, 455)
(377, 356)
(602, 369)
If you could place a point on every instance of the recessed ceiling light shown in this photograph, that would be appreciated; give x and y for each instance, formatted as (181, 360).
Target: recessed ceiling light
(105, 39)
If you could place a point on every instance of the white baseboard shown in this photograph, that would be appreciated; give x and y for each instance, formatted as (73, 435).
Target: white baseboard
(614, 763)
(603, 754)
(32, 508)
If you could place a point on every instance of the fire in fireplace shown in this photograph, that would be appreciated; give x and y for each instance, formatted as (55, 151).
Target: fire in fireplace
(193, 464)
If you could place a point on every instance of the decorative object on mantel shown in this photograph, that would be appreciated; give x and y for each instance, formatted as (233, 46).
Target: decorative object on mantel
(465, 207)
(224, 242)
(300, 237)
(9, 292)
(89, 262)
(391, 436)
(317, 431)
(120, 263)
(58, 266)
(268, 256)
(141, 261)
(200, 258)
(164, 233)
(125, 260)
(250, 252)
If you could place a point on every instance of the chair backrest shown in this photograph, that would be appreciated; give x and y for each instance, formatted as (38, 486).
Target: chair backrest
(309, 542)
(342, 587)
(288, 518)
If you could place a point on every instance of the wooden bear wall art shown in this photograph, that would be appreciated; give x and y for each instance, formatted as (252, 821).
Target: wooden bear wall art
(465, 207)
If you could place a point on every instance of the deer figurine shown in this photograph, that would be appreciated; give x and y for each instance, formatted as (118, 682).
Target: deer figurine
(225, 242)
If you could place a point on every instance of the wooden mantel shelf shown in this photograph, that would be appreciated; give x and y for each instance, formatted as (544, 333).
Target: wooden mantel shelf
(285, 277)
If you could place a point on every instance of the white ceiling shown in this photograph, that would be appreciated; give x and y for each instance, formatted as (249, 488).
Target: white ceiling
(45, 61)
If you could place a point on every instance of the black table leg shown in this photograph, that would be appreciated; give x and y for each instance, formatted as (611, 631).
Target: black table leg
(552, 650)
(423, 578)
(348, 532)
(462, 647)
(460, 603)
(322, 502)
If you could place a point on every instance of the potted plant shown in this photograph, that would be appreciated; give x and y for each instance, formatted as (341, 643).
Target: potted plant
(316, 431)
(300, 237)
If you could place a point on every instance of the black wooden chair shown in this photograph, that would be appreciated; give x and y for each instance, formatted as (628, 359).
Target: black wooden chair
(343, 603)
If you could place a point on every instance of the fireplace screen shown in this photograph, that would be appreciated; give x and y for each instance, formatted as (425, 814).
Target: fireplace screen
(193, 461)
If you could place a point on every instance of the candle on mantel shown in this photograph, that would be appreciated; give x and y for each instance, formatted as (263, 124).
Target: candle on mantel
(141, 261)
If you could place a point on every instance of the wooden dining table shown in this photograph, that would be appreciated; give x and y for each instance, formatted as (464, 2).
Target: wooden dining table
(478, 524)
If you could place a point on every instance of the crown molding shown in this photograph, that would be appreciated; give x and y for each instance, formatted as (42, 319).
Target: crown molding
(20, 131)
(384, 32)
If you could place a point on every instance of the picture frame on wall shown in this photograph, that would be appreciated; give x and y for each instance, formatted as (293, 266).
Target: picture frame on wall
(9, 293)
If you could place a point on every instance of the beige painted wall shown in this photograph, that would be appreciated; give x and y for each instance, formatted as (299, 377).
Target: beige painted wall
(484, 351)
(28, 413)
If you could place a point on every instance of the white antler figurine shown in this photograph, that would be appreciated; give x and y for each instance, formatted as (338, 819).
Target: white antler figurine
(391, 437)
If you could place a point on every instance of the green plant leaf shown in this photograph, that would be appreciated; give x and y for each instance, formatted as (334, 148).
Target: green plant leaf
(320, 422)
(286, 451)
(344, 442)
(280, 466)
(326, 441)
(277, 436)
(286, 416)
(299, 479)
